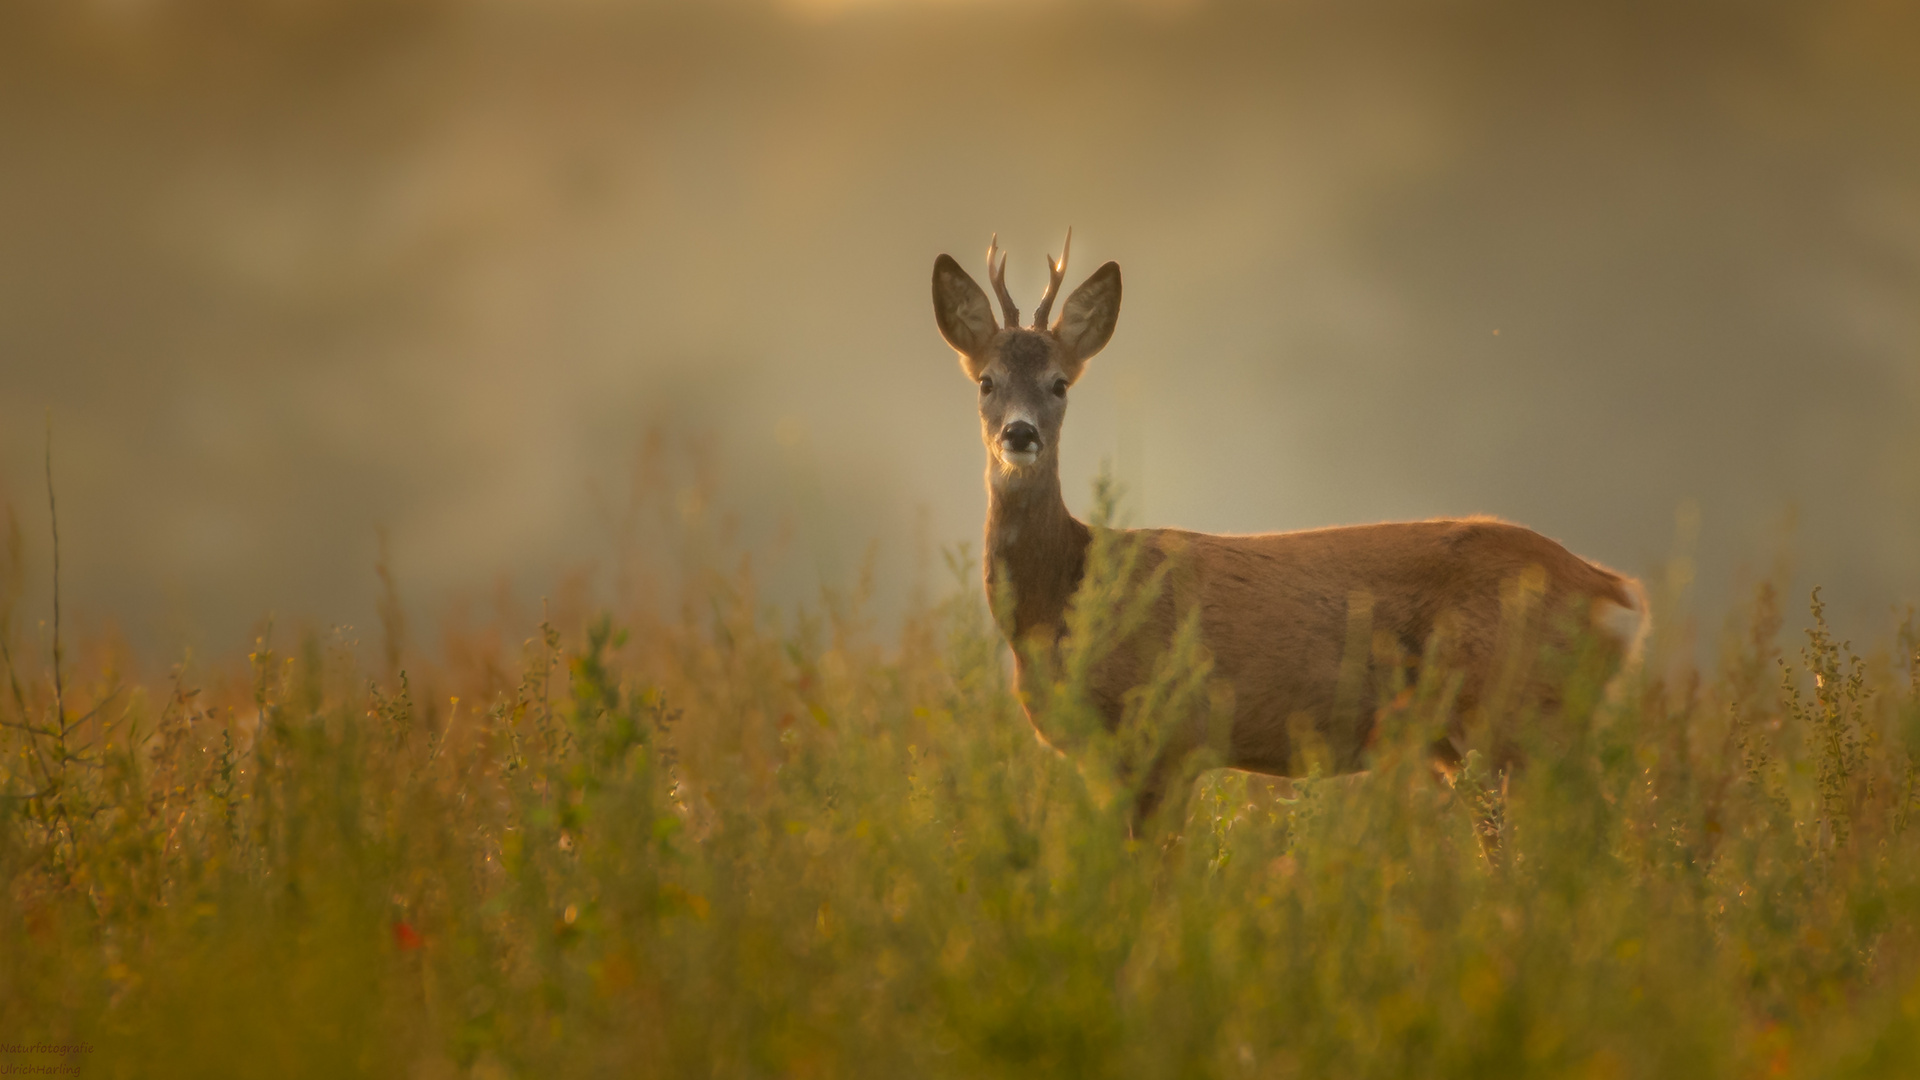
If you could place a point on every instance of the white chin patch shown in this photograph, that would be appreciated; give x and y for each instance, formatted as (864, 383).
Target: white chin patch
(1019, 458)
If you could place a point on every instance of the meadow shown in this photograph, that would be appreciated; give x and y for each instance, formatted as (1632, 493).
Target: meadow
(715, 837)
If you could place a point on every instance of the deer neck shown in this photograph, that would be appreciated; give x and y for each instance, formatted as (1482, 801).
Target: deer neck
(1036, 544)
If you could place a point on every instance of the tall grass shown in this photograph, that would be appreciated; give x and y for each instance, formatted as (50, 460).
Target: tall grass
(738, 842)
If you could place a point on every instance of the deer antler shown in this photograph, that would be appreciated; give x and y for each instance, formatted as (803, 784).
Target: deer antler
(1056, 272)
(998, 274)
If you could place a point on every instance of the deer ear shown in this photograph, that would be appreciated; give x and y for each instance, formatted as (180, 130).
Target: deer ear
(1091, 312)
(960, 308)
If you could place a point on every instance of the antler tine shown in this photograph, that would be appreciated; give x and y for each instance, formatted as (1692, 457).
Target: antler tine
(998, 275)
(1056, 273)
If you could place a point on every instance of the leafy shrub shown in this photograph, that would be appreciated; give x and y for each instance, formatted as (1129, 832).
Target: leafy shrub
(735, 843)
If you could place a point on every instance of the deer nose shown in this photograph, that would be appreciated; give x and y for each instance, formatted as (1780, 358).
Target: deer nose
(1020, 437)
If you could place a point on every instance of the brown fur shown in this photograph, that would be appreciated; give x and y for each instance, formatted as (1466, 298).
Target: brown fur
(1275, 609)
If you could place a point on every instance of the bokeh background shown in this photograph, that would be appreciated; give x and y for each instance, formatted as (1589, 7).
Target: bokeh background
(530, 284)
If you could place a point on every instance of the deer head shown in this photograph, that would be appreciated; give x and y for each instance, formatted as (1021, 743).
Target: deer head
(1023, 372)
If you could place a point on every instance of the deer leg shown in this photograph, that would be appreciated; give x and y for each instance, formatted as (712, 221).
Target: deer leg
(1468, 780)
(1157, 783)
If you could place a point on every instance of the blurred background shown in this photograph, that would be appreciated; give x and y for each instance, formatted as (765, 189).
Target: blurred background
(535, 287)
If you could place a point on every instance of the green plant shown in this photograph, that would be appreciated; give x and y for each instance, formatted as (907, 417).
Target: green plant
(732, 841)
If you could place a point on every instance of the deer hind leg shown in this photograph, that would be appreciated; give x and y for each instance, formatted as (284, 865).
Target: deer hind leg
(1481, 790)
(1629, 626)
(1485, 794)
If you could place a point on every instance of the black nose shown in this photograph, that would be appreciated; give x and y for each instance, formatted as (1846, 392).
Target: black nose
(1020, 437)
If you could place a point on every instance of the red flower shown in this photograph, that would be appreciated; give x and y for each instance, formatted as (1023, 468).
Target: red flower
(406, 936)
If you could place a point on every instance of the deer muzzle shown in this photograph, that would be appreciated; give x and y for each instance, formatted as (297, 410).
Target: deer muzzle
(1020, 443)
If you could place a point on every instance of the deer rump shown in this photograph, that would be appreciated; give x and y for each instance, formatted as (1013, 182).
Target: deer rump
(1281, 616)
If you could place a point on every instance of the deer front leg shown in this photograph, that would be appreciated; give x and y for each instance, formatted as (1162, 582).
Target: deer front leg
(1166, 775)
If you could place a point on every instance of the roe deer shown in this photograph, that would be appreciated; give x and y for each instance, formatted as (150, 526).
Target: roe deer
(1274, 609)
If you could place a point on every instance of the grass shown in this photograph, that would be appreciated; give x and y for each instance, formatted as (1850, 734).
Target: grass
(739, 842)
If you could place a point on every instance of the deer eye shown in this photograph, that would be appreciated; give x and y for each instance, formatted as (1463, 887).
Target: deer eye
(986, 386)
(1059, 388)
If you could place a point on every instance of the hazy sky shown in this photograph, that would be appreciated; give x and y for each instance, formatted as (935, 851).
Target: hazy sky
(442, 268)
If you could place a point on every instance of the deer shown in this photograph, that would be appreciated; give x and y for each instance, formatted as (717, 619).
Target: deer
(1275, 611)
